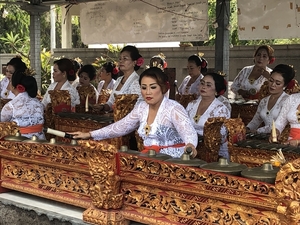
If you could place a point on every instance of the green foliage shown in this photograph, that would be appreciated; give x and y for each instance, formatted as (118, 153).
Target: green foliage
(111, 55)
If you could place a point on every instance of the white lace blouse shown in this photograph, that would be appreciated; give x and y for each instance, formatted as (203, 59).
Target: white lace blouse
(216, 109)
(170, 126)
(193, 89)
(5, 94)
(66, 86)
(25, 111)
(264, 115)
(110, 86)
(288, 113)
(241, 81)
(131, 86)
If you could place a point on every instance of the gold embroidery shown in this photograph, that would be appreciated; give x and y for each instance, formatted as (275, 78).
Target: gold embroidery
(196, 118)
(147, 129)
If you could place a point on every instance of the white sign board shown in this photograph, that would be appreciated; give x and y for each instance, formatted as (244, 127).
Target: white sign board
(123, 21)
(268, 19)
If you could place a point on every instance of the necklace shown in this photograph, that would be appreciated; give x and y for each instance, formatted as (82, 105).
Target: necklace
(196, 118)
(6, 93)
(147, 129)
(251, 81)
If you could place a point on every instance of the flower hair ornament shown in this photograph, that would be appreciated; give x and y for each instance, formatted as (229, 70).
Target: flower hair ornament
(163, 58)
(291, 84)
(272, 60)
(202, 60)
(140, 61)
(115, 70)
(71, 72)
(20, 88)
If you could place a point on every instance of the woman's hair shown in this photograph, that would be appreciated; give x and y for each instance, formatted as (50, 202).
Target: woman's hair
(286, 71)
(66, 65)
(199, 61)
(269, 50)
(77, 65)
(161, 58)
(112, 68)
(134, 54)
(220, 83)
(89, 69)
(158, 75)
(18, 64)
(28, 82)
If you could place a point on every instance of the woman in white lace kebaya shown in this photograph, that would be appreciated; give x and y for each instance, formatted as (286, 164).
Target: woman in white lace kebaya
(207, 105)
(269, 107)
(108, 74)
(196, 67)
(25, 109)
(129, 62)
(162, 123)
(250, 79)
(63, 72)
(15, 64)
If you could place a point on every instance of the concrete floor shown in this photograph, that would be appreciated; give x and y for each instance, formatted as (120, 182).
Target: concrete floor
(34, 210)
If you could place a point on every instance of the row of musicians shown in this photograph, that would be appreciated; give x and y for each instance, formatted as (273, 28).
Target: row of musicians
(162, 123)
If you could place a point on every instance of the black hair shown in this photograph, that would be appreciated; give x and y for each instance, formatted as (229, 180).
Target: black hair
(28, 82)
(157, 74)
(89, 69)
(109, 68)
(220, 83)
(18, 64)
(199, 61)
(134, 54)
(77, 65)
(286, 71)
(66, 65)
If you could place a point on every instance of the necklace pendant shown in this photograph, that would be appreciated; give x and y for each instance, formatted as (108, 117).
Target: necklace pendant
(298, 115)
(196, 118)
(147, 129)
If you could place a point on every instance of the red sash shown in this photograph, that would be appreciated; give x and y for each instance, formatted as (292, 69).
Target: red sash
(31, 129)
(294, 134)
(157, 148)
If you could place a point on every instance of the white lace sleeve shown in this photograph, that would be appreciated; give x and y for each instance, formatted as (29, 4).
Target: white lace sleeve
(257, 120)
(136, 89)
(7, 113)
(236, 84)
(183, 125)
(122, 127)
(282, 120)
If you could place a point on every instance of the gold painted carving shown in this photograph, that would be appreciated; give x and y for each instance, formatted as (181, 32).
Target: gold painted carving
(104, 217)
(188, 209)
(8, 128)
(212, 136)
(103, 168)
(288, 191)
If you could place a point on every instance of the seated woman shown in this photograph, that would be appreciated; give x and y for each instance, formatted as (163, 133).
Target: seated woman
(25, 109)
(129, 62)
(107, 74)
(290, 114)
(15, 64)
(197, 66)
(207, 106)
(269, 107)
(250, 79)
(162, 123)
(86, 74)
(63, 72)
